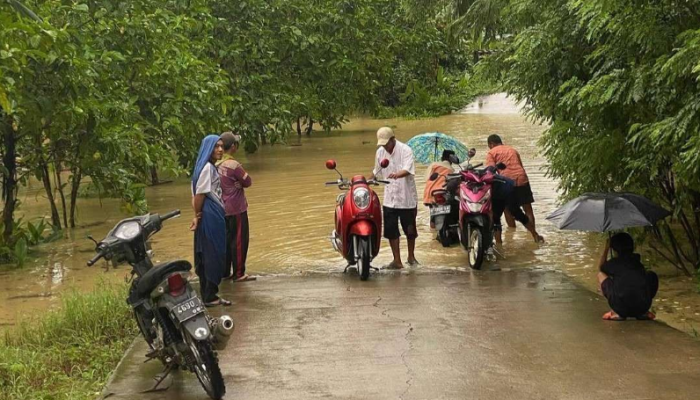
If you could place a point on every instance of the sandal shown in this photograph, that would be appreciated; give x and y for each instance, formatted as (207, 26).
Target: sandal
(612, 316)
(218, 302)
(245, 278)
(649, 316)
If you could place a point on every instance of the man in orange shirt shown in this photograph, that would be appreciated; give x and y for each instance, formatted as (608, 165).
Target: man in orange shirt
(500, 153)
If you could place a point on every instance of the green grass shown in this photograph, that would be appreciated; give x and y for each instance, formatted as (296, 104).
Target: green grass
(68, 353)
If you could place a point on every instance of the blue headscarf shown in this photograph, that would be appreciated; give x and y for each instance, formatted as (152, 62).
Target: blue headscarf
(205, 152)
(210, 236)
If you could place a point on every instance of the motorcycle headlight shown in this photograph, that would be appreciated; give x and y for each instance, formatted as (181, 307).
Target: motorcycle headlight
(128, 230)
(361, 197)
(475, 207)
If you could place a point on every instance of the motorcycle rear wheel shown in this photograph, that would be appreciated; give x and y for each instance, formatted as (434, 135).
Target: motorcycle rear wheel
(206, 367)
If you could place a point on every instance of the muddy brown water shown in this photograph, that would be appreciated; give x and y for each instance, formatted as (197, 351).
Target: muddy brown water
(291, 216)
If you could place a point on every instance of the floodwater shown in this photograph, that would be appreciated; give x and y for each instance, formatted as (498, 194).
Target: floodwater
(291, 217)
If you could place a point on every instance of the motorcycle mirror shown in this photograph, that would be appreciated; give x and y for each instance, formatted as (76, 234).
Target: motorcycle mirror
(501, 166)
(472, 152)
(330, 164)
(384, 163)
(434, 176)
(93, 240)
(454, 159)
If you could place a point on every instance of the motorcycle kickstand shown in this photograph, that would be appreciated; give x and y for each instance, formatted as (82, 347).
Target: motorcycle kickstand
(498, 253)
(374, 268)
(346, 268)
(151, 356)
(159, 379)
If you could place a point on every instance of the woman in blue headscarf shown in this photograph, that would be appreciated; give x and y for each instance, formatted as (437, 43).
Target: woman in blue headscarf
(209, 224)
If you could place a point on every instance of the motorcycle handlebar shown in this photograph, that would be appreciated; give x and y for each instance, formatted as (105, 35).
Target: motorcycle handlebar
(331, 183)
(93, 260)
(172, 214)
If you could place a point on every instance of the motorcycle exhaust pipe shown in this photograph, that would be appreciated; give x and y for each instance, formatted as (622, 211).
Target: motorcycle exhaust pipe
(222, 330)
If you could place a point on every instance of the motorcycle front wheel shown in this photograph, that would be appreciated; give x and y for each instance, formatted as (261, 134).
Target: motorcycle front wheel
(364, 257)
(206, 367)
(475, 251)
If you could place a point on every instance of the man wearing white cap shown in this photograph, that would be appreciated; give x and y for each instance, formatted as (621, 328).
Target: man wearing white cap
(400, 196)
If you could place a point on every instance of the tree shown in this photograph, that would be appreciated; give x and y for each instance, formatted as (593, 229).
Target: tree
(618, 83)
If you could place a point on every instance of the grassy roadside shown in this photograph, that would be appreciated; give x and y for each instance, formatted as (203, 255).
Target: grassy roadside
(68, 353)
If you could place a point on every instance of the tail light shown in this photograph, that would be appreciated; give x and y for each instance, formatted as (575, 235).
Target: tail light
(440, 198)
(176, 285)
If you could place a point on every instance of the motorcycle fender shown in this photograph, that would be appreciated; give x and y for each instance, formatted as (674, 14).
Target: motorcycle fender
(439, 222)
(195, 323)
(362, 228)
(477, 220)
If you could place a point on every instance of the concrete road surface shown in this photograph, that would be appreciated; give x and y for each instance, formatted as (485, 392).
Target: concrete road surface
(411, 335)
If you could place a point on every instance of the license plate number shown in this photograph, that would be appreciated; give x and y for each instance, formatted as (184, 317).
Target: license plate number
(188, 309)
(439, 210)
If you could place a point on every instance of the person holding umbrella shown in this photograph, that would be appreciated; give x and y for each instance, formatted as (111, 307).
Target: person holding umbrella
(624, 282)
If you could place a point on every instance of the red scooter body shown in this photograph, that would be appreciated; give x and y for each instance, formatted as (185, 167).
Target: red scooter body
(353, 220)
(358, 220)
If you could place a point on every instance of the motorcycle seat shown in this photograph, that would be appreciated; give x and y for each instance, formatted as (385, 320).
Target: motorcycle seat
(157, 274)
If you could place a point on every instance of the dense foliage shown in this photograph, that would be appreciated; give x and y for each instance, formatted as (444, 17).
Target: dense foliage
(115, 92)
(618, 82)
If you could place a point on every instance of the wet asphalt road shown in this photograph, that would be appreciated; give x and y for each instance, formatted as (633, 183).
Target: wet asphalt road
(450, 335)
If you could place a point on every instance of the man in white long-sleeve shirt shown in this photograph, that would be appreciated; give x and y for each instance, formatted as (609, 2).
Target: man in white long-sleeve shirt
(400, 196)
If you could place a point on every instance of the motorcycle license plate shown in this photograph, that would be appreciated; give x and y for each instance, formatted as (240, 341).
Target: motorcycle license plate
(188, 309)
(439, 210)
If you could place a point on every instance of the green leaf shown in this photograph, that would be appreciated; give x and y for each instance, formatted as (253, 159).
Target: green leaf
(5, 102)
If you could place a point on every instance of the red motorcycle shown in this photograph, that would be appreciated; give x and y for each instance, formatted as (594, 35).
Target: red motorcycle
(358, 220)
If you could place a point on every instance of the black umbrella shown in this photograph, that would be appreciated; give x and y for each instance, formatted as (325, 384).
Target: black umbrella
(603, 212)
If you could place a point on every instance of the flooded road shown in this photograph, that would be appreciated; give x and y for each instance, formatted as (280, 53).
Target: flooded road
(291, 216)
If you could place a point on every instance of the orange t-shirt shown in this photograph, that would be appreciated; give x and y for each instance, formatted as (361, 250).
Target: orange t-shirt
(511, 158)
(439, 183)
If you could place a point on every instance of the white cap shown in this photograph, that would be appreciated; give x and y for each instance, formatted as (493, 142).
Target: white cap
(384, 134)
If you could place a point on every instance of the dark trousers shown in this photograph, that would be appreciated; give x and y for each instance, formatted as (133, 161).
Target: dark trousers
(238, 240)
(499, 206)
(631, 306)
(207, 288)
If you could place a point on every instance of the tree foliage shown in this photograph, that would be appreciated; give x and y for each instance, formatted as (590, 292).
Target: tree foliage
(618, 83)
(115, 92)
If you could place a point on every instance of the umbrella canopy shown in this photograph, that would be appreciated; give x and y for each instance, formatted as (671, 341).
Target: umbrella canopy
(428, 147)
(603, 212)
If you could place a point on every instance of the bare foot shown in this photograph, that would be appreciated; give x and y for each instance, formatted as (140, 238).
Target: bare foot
(413, 262)
(393, 265)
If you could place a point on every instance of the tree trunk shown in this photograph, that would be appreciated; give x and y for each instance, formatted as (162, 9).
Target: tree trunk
(154, 176)
(59, 186)
(299, 126)
(9, 179)
(46, 178)
(310, 127)
(263, 138)
(75, 184)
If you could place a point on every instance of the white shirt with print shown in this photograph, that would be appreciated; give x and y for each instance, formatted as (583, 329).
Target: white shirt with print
(400, 193)
(210, 183)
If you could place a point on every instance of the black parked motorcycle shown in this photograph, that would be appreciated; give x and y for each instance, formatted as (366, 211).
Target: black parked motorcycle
(168, 312)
